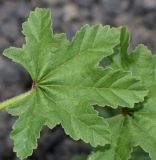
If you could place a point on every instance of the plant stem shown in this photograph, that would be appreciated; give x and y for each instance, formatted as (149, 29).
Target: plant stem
(10, 102)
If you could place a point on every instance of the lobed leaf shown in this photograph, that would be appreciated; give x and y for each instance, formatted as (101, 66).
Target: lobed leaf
(67, 81)
(134, 127)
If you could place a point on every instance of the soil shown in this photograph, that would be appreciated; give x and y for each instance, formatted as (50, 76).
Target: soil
(68, 16)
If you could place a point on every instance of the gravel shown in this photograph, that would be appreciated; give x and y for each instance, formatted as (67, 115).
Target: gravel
(68, 16)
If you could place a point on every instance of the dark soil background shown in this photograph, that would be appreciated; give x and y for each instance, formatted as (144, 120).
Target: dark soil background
(68, 16)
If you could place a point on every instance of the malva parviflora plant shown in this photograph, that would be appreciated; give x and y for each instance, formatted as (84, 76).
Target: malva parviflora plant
(68, 81)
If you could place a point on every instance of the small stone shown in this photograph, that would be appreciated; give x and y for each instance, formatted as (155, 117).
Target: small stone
(10, 7)
(23, 9)
(144, 6)
(70, 12)
(126, 20)
(10, 29)
(149, 21)
(84, 3)
(97, 16)
(142, 35)
(3, 15)
(51, 2)
(3, 44)
(56, 2)
(85, 14)
(4, 129)
(150, 4)
(113, 7)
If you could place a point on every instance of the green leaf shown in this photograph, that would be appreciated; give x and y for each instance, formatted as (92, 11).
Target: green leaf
(119, 58)
(134, 127)
(140, 62)
(139, 154)
(137, 128)
(124, 45)
(67, 81)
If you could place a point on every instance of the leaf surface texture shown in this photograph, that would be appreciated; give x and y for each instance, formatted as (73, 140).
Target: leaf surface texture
(67, 81)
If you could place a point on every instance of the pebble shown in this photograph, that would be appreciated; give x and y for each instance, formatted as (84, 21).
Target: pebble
(86, 15)
(142, 35)
(56, 2)
(10, 29)
(4, 43)
(70, 12)
(23, 9)
(143, 6)
(96, 15)
(85, 3)
(3, 15)
(51, 2)
(112, 7)
(150, 21)
(10, 7)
